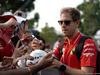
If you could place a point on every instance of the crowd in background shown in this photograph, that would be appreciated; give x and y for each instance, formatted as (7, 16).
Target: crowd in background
(14, 55)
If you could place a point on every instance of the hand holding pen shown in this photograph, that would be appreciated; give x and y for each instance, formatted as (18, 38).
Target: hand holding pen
(36, 44)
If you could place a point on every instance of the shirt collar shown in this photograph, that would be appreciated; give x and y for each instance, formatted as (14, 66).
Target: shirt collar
(72, 40)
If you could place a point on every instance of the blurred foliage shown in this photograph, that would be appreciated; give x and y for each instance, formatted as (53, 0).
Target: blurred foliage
(49, 34)
(34, 21)
(13, 5)
(23, 5)
(90, 18)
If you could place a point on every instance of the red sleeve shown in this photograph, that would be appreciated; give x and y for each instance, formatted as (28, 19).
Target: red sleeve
(5, 49)
(56, 51)
(89, 54)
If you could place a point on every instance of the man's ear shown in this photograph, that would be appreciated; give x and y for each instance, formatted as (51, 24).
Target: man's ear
(77, 23)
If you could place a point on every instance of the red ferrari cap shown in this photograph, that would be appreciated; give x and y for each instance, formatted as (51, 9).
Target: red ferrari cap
(6, 18)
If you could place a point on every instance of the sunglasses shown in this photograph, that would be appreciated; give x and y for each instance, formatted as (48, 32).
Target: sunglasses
(67, 22)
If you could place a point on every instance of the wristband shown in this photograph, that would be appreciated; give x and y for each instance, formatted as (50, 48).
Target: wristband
(62, 68)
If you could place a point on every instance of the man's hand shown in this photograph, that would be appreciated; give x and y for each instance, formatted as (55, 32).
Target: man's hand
(46, 61)
(11, 23)
(37, 44)
(55, 64)
(19, 51)
(7, 63)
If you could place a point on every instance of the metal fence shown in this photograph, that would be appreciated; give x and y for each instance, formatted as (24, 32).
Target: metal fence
(49, 72)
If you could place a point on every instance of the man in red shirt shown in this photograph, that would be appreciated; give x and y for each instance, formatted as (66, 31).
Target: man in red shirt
(6, 49)
(69, 63)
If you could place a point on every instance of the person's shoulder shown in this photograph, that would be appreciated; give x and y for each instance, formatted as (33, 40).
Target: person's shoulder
(89, 40)
(90, 43)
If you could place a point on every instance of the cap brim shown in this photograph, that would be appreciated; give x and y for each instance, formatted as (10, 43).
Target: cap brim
(7, 17)
(19, 19)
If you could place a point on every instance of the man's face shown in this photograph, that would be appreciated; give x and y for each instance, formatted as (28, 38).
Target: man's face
(28, 36)
(25, 42)
(67, 29)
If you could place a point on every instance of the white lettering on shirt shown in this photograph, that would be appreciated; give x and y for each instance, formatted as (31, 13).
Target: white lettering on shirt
(87, 54)
(89, 44)
(91, 49)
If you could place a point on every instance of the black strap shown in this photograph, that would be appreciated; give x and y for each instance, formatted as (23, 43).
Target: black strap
(80, 46)
(60, 48)
(98, 61)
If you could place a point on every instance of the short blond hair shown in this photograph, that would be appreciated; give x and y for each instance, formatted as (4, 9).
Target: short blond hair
(73, 12)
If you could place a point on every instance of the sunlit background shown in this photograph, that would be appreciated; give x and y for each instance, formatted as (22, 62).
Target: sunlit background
(49, 11)
(44, 14)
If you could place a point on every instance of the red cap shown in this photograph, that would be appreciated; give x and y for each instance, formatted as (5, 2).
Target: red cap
(24, 39)
(6, 18)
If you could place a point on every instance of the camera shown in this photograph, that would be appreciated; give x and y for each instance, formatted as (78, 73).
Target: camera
(21, 14)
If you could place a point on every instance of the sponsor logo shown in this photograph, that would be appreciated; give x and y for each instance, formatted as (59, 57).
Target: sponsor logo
(72, 51)
(63, 50)
(87, 54)
(90, 44)
(91, 49)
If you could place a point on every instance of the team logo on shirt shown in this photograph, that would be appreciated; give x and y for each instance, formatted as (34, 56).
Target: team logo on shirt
(72, 51)
(63, 50)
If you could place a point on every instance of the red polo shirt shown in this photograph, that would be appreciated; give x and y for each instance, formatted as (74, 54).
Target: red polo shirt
(88, 56)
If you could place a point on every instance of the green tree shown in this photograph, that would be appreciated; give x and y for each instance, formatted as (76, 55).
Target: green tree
(23, 5)
(13, 5)
(49, 34)
(34, 21)
(90, 17)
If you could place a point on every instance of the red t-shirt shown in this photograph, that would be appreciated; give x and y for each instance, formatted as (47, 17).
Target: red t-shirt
(5, 49)
(88, 56)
